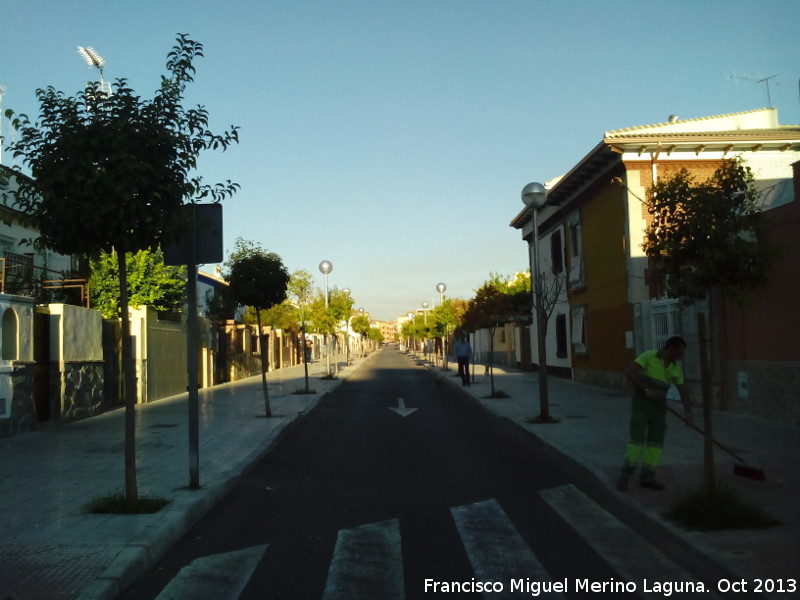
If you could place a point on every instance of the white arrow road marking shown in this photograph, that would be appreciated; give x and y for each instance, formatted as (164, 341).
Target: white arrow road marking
(215, 577)
(401, 408)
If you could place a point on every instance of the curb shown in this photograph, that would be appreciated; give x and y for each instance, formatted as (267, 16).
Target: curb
(136, 559)
(690, 538)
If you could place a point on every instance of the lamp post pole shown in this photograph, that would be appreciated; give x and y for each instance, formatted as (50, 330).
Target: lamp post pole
(346, 292)
(425, 320)
(326, 267)
(361, 313)
(534, 196)
(441, 287)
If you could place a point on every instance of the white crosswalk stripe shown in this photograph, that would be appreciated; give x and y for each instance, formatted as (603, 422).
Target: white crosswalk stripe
(367, 564)
(217, 577)
(629, 554)
(497, 551)
(367, 561)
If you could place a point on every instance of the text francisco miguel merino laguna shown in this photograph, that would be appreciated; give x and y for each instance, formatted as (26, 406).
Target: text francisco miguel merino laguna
(535, 588)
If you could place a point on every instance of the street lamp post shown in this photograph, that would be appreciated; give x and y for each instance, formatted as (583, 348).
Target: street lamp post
(534, 196)
(441, 287)
(412, 341)
(361, 313)
(425, 320)
(346, 292)
(326, 267)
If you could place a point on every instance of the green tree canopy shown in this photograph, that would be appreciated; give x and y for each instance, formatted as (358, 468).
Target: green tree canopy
(110, 171)
(115, 168)
(150, 282)
(257, 279)
(498, 300)
(708, 235)
(360, 324)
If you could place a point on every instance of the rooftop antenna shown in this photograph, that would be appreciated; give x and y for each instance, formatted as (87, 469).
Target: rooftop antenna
(93, 59)
(2, 92)
(764, 80)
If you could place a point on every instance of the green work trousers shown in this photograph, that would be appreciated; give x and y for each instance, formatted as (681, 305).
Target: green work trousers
(647, 428)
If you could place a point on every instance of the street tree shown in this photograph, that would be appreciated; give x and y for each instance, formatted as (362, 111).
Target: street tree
(498, 301)
(445, 318)
(326, 316)
(110, 172)
(706, 240)
(546, 295)
(708, 236)
(299, 292)
(150, 282)
(361, 325)
(257, 279)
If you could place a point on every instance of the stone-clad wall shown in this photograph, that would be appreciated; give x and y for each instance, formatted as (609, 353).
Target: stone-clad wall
(22, 413)
(83, 389)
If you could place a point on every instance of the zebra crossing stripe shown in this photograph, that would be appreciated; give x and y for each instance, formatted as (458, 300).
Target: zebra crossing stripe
(629, 554)
(495, 548)
(367, 564)
(217, 577)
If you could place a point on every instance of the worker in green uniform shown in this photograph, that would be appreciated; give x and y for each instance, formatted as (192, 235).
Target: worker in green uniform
(652, 373)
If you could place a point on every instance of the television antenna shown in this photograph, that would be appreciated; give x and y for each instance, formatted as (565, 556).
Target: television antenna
(764, 80)
(2, 92)
(94, 60)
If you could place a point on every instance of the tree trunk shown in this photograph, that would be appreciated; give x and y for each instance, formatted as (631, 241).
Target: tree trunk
(264, 365)
(544, 400)
(129, 377)
(491, 359)
(709, 479)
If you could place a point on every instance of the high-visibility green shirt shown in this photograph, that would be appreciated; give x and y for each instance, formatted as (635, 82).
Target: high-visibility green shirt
(654, 366)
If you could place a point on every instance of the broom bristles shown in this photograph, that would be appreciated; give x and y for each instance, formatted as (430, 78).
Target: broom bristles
(749, 472)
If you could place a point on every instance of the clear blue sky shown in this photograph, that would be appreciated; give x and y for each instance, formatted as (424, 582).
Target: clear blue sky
(393, 137)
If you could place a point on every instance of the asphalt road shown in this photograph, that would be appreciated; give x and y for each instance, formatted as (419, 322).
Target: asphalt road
(398, 485)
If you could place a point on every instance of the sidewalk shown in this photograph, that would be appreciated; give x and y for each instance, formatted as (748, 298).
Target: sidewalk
(594, 432)
(51, 549)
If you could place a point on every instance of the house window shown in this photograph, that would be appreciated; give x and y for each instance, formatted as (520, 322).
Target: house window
(579, 345)
(561, 336)
(10, 329)
(575, 253)
(556, 252)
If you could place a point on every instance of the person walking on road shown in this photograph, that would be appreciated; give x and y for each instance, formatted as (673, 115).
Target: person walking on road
(652, 373)
(463, 354)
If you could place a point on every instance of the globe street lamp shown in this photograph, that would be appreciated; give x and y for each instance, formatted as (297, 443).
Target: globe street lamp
(534, 196)
(326, 267)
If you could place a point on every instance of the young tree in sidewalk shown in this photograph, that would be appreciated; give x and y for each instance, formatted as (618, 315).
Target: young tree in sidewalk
(706, 239)
(257, 279)
(299, 292)
(708, 236)
(110, 172)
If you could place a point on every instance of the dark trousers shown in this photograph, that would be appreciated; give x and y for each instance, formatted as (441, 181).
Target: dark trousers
(463, 369)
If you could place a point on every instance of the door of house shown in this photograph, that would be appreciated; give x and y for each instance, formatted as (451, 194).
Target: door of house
(41, 356)
(665, 320)
(525, 348)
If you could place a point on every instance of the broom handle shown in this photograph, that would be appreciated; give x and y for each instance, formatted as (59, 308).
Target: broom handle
(696, 428)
